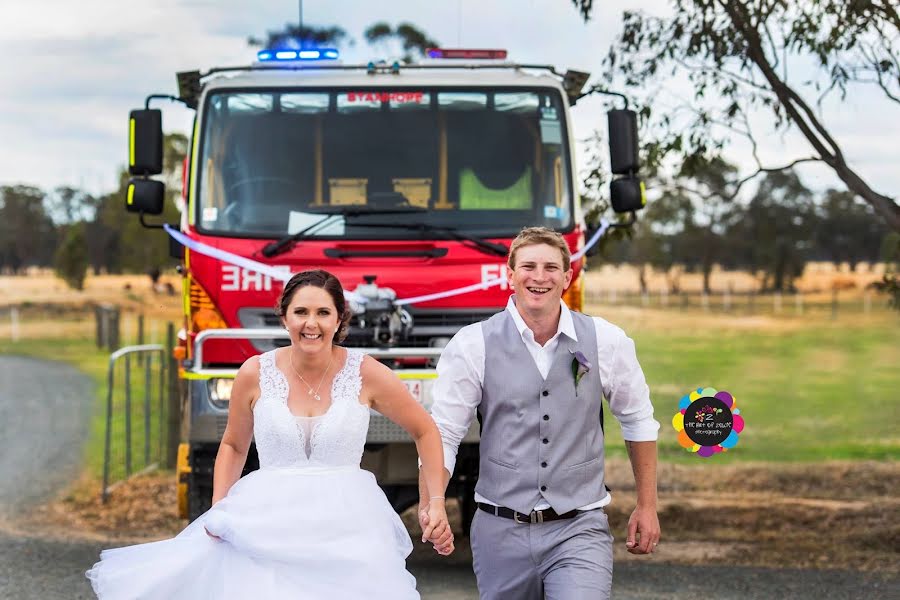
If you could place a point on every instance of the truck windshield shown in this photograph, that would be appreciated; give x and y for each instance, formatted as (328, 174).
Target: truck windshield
(486, 162)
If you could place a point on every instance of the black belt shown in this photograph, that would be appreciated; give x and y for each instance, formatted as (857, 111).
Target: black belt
(536, 516)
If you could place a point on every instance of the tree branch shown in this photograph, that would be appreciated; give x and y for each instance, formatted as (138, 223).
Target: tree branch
(740, 183)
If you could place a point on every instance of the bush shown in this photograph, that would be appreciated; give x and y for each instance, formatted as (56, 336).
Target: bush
(71, 260)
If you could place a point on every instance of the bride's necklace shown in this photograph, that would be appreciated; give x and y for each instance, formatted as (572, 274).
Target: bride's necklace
(312, 392)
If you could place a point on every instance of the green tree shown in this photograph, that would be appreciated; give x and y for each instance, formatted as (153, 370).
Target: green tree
(413, 42)
(27, 235)
(742, 54)
(706, 191)
(773, 235)
(890, 255)
(71, 260)
(295, 37)
(847, 230)
(67, 205)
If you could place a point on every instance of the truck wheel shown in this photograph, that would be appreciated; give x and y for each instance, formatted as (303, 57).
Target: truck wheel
(401, 497)
(199, 499)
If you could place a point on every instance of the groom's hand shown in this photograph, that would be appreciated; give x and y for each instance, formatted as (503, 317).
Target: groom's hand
(643, 531)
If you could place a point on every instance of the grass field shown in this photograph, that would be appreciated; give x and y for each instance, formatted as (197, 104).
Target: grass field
(809, 388)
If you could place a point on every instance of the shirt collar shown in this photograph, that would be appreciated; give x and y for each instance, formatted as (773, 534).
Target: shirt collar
(566, 324)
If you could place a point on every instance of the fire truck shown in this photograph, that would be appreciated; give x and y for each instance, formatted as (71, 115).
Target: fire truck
(407, 181)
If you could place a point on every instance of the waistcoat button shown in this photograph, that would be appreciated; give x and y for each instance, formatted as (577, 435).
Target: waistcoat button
(545, 393)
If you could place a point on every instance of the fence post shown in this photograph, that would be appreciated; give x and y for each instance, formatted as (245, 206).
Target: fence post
(147, 391)
(127, 414)
(174, 411)
(140, 337)
(107, 442)
(99, 318)
(14, 323)
(161, 401)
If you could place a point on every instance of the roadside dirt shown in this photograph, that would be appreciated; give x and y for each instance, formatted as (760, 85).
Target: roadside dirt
(837, 515)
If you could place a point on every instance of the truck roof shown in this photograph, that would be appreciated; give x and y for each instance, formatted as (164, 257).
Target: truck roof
(419, 75)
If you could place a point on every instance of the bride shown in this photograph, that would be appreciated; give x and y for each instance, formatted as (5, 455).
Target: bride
(309, 523)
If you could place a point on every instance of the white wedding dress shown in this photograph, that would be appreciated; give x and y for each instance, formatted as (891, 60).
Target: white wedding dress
(303, 526)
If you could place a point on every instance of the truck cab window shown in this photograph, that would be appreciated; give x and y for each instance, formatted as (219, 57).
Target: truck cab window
(486, 162)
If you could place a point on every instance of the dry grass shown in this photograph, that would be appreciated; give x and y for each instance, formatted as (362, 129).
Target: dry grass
(48, 309)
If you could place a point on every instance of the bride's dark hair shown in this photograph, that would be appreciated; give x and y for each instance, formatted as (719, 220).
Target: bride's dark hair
(320, 279)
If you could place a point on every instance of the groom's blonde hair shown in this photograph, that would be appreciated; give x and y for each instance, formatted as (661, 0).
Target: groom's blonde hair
(530, 236)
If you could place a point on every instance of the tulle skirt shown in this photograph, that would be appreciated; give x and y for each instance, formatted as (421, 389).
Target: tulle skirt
(304, 533)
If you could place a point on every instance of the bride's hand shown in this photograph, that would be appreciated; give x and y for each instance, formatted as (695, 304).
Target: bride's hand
(437, 528)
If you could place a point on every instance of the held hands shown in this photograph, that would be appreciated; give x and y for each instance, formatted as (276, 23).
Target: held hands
(435, 526)
(643, 531)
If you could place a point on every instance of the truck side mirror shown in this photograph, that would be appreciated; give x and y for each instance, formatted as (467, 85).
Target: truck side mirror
(145, 142)
(627, 194)
(145, 196)
(623, 142)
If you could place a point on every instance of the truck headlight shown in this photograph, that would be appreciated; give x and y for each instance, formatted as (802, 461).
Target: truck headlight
(220, 391)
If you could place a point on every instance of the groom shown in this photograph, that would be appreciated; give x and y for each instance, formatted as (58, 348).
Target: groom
(535, 374)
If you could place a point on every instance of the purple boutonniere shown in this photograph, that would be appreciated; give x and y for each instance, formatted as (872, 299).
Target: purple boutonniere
(580, 365)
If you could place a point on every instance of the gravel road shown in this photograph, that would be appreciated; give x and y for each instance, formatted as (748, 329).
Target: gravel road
(45, 409)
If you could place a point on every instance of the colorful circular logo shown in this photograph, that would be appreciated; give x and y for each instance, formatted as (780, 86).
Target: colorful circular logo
(708, 421)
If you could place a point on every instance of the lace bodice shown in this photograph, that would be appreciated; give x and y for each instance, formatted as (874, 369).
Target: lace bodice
(337, 439)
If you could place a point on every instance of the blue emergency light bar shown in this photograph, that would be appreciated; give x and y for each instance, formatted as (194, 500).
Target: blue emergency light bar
(287, 55)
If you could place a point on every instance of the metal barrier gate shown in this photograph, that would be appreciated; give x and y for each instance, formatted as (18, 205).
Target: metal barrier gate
(140, 403)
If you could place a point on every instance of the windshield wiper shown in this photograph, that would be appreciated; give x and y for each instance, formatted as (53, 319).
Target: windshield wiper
(284, 244)
(332, 215)
(486, 246)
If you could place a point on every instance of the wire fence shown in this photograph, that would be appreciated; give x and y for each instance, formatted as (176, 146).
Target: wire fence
(747, 303)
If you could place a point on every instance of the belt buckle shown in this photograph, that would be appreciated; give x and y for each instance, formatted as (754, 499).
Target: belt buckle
(536, 516)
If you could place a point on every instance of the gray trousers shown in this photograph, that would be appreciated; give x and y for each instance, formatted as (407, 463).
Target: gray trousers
(568, 559)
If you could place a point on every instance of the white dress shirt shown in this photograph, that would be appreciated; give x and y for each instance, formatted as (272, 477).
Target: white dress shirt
(457, 391)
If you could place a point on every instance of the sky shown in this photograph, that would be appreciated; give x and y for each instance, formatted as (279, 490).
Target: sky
(71, 71)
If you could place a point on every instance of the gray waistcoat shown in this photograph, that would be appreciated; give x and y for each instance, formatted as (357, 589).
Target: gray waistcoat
(539, 437)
